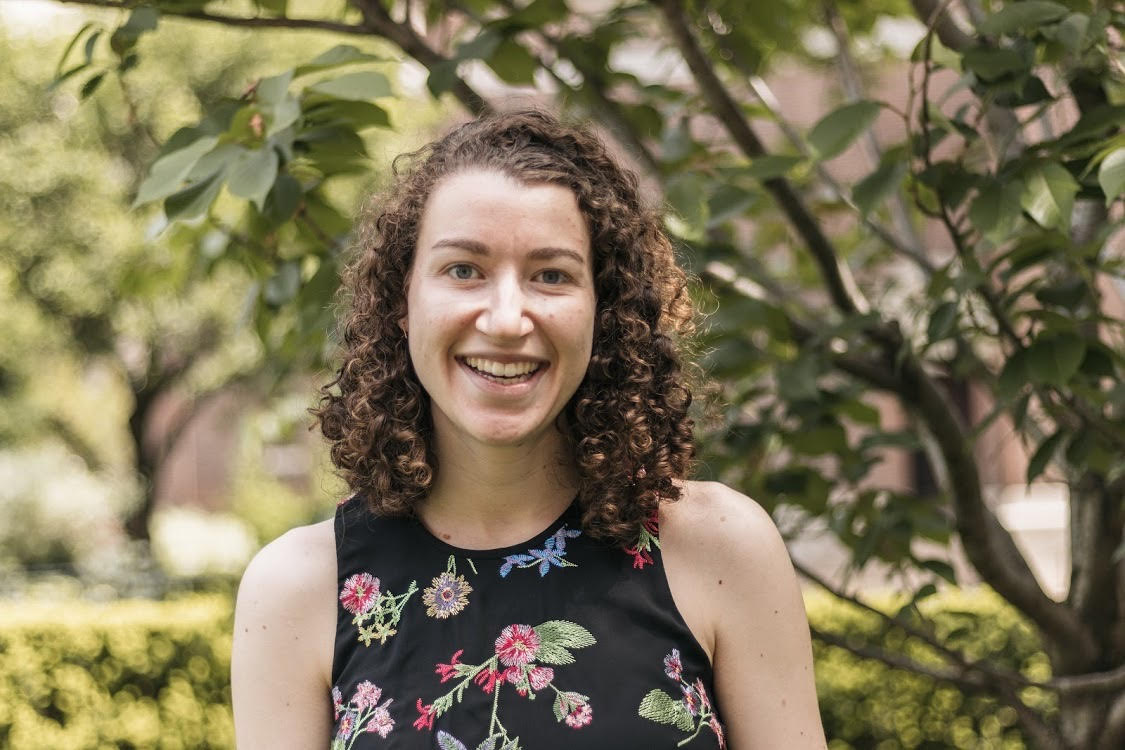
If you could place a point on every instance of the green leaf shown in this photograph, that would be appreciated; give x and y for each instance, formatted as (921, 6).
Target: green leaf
(991, 64)
(193, 201)
(839, 129)
(360, 86)
(341, 54)
(1071, 32)
(442, 78)
(481, 46)
(59, 80)
(283, 199)
(253, 175)
(996, 209)
(273, 89)
(662, 708)
(71, 45)
(1048, 195)
(513, 63)
(942, 322)
(1043, 455)
(1019, 16)
(166, 175)
(358, 115)
(1111, 175)
(539, 13)
(1015, 375)
(870, 191)
(1054, 357)
(552, 653)
(942, 568)
(767, 167)
(565, 634)
(91, 42)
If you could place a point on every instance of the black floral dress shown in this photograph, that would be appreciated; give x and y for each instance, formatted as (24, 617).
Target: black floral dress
(560, 642)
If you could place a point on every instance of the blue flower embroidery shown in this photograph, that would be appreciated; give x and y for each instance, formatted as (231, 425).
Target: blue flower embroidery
(553, 553)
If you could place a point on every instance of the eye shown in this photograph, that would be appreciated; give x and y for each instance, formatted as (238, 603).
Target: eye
(461, 271)
(553, 276)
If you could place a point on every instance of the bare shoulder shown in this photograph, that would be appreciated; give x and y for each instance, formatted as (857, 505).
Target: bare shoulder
(284, 628)
(729, 562)
(724, 527)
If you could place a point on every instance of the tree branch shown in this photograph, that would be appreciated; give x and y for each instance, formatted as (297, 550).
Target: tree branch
(837, 277)
(379, 21)
(263, 22)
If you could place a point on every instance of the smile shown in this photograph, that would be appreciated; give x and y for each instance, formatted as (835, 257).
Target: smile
(502, 372)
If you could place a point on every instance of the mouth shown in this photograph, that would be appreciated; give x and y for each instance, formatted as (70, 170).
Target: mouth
(506, 373)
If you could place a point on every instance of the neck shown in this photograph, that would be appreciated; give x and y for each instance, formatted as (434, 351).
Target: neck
(492, 496)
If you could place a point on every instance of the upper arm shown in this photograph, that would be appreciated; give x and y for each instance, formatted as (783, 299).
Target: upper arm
(762, 657)
(284, 627)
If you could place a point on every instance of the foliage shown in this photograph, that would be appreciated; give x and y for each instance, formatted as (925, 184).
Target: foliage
(976, 256)
(128, 674)
(869, 705)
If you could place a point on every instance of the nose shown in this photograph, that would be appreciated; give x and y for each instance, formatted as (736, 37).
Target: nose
(506, 315)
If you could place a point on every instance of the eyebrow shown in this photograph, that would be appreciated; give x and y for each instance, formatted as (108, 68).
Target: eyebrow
(479, 248)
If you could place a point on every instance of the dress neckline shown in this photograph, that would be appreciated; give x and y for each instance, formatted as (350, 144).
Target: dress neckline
(568, 517)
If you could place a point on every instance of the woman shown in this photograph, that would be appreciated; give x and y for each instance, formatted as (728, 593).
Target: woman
(511, 414)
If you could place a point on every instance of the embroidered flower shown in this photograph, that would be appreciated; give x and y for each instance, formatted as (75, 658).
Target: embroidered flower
(691, 699)
(381, 722)
(540, 677)
(446, 596)
(361, 714)
(426, 716)
(673, 667)
(580, 716)
(366, 695)
(717, 728)
(359, 593)
(487, 679)
(347, 724)
(517, 645)
(449, 671)
(337, 703)
(690, 713)
(648, 537)
(513, 662)
(553, 553)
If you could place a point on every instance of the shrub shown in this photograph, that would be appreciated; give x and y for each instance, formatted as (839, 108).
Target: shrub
(130, 674)
(866, 705)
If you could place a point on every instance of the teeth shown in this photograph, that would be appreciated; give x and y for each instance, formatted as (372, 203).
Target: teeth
(500, 369)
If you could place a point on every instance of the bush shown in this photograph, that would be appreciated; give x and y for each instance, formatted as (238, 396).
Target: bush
(129, 674)
(866, 705)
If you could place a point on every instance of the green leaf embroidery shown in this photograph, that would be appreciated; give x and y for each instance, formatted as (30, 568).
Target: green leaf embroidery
(660, 707)
(566, 634)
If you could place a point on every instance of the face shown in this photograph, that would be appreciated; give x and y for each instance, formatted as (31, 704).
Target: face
(500, 306)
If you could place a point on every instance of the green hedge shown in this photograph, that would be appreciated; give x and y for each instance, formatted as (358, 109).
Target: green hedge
(143, 674)
(868, 706)
(130, 674)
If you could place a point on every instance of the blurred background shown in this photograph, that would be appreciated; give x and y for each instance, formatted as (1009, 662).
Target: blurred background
(904, 223)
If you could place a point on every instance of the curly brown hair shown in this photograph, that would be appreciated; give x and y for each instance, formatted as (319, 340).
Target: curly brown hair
(628, 422)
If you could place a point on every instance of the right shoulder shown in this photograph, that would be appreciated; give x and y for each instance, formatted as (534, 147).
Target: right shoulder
(284, 637)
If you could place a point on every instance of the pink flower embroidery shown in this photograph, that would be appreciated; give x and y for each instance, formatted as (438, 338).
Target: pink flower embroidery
(347, 724)
(517, 645)
(717, 728)
(366, 695)
(449, 671)
(673, 666)
(691, 700)
(487, 679)
(426, 716)
(359, 593)
(580, 716)
(381, 722)
(540, 677)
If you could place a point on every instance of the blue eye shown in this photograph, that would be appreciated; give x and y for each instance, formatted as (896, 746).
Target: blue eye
(461, 271)
(553, 276)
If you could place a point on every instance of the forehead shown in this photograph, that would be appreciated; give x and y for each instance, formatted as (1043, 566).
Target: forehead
(501, 210)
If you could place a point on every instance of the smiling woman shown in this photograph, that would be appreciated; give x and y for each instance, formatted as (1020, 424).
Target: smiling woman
(511, 412)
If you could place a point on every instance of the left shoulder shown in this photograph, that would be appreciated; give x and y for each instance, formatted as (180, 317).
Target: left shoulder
(729, 529)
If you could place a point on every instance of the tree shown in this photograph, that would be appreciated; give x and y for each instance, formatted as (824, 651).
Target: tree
(1020, 161)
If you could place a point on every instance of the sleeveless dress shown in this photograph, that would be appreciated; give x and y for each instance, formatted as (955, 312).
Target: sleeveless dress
(558, 642)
